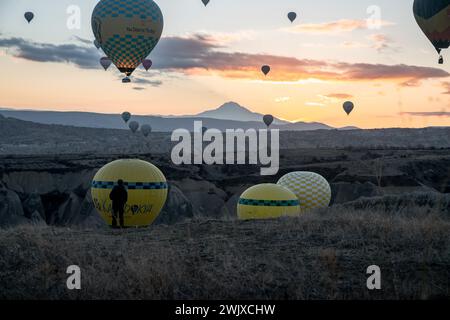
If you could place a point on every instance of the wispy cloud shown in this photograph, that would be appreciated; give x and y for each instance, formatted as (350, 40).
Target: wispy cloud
(338, 96)
(80, 56)
(382, 42)
(282, 99)
(338, 26)
(427, 114)
(315, 104)
(446, 86)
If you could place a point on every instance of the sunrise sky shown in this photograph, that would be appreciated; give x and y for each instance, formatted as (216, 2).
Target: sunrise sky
(209, 56)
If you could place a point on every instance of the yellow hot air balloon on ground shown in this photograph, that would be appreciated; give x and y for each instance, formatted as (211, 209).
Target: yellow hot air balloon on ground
(312, 190)
(266, 201)
(146, 186)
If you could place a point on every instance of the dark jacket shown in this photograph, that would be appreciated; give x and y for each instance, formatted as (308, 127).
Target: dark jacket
(119, 196)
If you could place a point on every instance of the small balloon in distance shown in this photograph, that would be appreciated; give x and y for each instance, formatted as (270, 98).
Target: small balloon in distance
(29, 16)
(265, 69)
(348, 107)
(105, 62)
(147, 64)
(134, 126)
(292, 16)
(126, 116)
(268, 119)
(146, 130)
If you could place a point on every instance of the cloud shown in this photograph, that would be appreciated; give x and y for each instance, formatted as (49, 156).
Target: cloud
(201, 55)
(382, 42)
(80, 56)
(144, 81)
(446, 86)
(282, 99)
(353, 45)
(338, 96)
(83, 40)
(427, 114)
(315, 104)
(339, 26)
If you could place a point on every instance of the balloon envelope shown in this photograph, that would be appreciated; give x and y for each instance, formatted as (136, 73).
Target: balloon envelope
(29, 16)
(292, 16)
(266, 201)
(127, 31)
(147, 64)
(268, 119)
(265, 69)
(146, 186)
(146, 130)
(433, 17)
(205, 2)
(312, 190)
(348, 107)
(105, 62)
(134, 126)
(126, 116)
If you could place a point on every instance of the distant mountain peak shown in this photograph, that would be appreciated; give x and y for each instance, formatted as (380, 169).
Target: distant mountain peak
(234, 111)
(231, 106)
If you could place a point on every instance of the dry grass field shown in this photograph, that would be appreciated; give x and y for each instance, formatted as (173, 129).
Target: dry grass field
(321, 255)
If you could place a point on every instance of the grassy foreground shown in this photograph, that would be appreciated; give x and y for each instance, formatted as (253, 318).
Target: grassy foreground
(321, 255)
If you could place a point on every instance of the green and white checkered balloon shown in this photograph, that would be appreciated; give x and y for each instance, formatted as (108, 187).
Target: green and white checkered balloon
(312, 190)
(127, 30)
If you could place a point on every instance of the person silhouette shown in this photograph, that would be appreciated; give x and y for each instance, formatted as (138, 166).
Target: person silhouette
(119, 197)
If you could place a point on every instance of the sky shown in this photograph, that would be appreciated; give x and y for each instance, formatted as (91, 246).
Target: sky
(370, 52)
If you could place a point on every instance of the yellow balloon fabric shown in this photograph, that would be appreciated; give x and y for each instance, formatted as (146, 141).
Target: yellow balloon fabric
(312, 190)
(267, 201)
(146, 186)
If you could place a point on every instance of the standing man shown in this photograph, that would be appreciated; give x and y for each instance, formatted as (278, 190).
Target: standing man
(119, 197)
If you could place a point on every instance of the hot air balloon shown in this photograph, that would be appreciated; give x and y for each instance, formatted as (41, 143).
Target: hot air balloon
(348, 107)
(29, 16)
(292, 16)
(268, 119)
(97, 44)
(126, 116)
(205, 2)
(134, 126)
(146, 186)
(127, 31)
(147, 64)
(312, 190)
(105, 62)
(266, 201)
(265, 69)
(433, 17)
(146, 130)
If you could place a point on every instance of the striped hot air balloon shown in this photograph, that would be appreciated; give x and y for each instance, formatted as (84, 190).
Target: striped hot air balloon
(433, 17)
